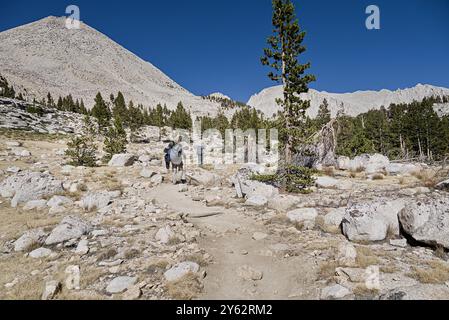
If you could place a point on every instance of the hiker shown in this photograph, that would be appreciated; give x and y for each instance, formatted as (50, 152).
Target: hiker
(167, 154)
(177, 157)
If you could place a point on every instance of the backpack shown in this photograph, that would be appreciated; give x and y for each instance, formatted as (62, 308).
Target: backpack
(176, 154)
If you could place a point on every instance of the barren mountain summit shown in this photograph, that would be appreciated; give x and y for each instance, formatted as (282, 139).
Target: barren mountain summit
(45, 56)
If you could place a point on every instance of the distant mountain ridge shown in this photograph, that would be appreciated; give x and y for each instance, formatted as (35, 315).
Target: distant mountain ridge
(45, 56)
(352, 104)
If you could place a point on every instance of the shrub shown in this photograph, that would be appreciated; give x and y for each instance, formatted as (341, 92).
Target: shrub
(115, 140)
(82, 149)
(293, 179)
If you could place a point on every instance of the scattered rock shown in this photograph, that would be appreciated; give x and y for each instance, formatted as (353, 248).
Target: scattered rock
(147, 173)
(256, 201)
(51, 289)
(164, 235)
(347, 254)
(306, 216)
(180, 270)
(40, 253)
(335, 292)
(334, 217)
(98, 200)
(401, 243)
(72, 281)
(29, 239)
(120, 284)
(82, 248)
(332, 183)
(58, 201)
(35, 204)
(122, 160)
(71, 227)
(259, 236)
(157, 179)
(25, 186)
(282, 203)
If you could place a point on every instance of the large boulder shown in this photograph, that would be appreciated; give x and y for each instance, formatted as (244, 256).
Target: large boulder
(369, 163)
(122, 160)
(394, 169)
(305, 216)
(71, 227)
(372, 220)
(427, 220)
(25, 186)
(283, 203)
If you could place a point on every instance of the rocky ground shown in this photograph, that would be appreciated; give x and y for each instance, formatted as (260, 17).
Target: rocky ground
(373, 230)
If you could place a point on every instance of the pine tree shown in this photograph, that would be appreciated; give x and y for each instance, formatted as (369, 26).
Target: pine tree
(282, 56)
(119, 108)
(101, 112)
(60, 104)
(115, 139)
(50, 101)
(324, 115)
(180, 118)
(81, 149)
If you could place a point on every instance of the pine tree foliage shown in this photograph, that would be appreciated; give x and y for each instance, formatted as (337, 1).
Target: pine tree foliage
(115, 139)
(101, 111)
(82, 149)
(282, 56)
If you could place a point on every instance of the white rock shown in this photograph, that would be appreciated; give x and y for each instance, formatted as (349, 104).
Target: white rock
(57, 201)
(183, 188)
(157, 179)
(82, 248)
(402, 243)
(259, 236)
(51, 290)
(203, 178)
(71, 227)
(120, 284)
(304, 215)
(372, 220)
(72, 281)
(282, 203)
(335, 292)
(98, 200)
(256, 201)
(40, 253)
(427, 220)
(13, 169)
(164, 235)
(25, 186)
(29, 239)
(147, 173)
(334, 217)
(35, 204)
(122, 160)
(180, 270)
(347, 254)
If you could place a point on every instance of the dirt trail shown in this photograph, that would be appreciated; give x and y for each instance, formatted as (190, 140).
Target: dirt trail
(227, 237)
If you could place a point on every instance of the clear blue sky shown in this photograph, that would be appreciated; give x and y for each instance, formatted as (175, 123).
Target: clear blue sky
(215, 45)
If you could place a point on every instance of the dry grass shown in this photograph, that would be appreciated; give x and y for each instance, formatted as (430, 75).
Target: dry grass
(198, 258)
(366, 257)
(436, 272)
(327, 270)
(389, 269)
(328, 171)
(362, 291)
(378, 176)
(131, 254)
(428, 178)
(107, 254)
(186, 288)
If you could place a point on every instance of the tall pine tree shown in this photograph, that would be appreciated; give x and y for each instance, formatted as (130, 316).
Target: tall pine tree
(285, 46)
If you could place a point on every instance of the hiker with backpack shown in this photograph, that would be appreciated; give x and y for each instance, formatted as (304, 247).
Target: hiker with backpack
(177, 157)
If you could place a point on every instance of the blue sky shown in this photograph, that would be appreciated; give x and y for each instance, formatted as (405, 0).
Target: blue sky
(215, 45)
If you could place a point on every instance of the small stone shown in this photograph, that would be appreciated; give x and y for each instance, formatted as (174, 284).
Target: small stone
(249, 273)
(82, 248)
(40, 253)
(259, 236)
(180, 270)
(51, 289)
(401, 243)
(334, 292)
(164, 235)
(73, 279)
(120, 284)
(132, 293)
